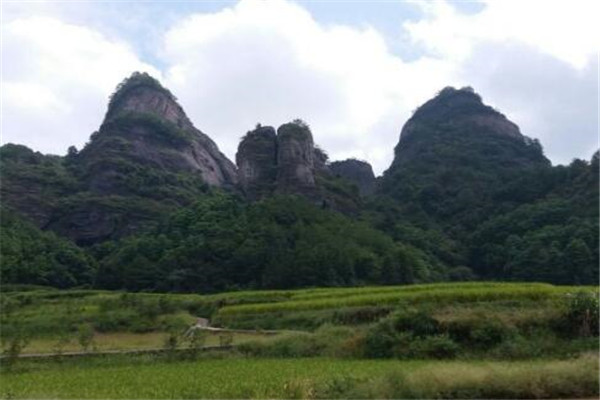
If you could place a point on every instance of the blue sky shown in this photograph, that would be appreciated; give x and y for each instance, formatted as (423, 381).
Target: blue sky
(354, 70)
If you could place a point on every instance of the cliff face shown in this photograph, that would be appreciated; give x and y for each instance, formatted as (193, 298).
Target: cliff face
(358, 172)
(146, 132)
(256, 160)
(282, 162)
(295, 160)
(288, 162)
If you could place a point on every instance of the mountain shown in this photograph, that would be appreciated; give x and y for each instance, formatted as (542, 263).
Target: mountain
(146, 160)
(469, 189)
(453, 155)
(150, 203)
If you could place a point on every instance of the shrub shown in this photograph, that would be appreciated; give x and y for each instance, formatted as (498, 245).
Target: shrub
(419, 323)
(480, 333)
(581, 316)
(380, 340)
(438, 346)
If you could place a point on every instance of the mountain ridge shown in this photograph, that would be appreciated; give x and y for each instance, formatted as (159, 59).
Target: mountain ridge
(157, 206)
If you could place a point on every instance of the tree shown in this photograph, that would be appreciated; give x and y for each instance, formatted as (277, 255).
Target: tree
(578, 255)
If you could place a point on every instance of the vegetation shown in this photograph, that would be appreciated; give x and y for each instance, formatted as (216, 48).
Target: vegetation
(507, 339)
(148, 378)
(31, 256)
(135, 81)
(461, 202)
(439, 320)
(505, 216)
(281, 242)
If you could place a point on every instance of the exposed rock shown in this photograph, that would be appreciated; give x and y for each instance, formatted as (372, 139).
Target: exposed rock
(256, 160)
(145, 127)
(289, 163)
(358, 172)
(295, 160)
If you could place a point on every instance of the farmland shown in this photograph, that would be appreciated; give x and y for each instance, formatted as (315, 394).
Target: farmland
(507, 339)
(303, 378)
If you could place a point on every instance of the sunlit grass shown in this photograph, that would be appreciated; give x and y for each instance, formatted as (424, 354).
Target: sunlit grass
(306, 378)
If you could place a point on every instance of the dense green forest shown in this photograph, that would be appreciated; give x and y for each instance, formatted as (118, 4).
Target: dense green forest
(282, 242)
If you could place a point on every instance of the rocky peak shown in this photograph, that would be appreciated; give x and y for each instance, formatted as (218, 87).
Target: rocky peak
(356, 171)
(456, 122)
(141, 93)
(456, 147)
(146, 132)
(295, 158)
(256, 160)
(454, 107)
(288, 162)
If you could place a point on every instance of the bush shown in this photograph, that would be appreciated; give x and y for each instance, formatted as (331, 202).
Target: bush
(581, 315)
(438, 346)
(418, 323)
(480, 333)
(380, 340)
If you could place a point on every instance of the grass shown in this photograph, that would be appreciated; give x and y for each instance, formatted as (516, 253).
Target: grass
(129, 341)
(50, 313)
(119, 377)
(488, 324)
(435, 293)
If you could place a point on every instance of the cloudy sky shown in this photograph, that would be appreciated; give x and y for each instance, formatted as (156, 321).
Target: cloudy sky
(354, 70)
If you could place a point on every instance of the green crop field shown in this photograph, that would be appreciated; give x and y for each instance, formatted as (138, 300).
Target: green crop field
(446, 340)
(120, 378)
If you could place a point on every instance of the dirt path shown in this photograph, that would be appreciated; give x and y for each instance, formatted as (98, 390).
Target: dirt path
(93, 353)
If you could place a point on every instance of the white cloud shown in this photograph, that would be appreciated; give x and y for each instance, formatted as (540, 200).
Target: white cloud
(56, 81)
(536, 61)
(271, 62)
(565, 30)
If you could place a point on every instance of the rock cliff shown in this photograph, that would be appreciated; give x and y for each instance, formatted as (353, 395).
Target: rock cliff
(145, 132)
(288, 162)
(256, 160)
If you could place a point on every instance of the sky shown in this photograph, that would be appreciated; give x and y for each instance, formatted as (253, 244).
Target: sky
(353, 70)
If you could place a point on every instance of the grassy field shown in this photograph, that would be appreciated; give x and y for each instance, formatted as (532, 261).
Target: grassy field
(129, 341)
(446, 340)
(119, 377)
(51, 318)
